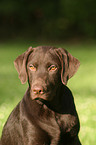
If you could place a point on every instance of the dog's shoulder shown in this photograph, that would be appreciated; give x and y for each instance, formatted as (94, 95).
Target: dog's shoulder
(11, 125)
(13, 118)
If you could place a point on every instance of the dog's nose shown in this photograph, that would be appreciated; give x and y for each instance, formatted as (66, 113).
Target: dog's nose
(38, 90)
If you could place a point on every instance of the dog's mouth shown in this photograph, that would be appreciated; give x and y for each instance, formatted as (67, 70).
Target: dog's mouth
(42, 96)
(39, 92)
(40, 100)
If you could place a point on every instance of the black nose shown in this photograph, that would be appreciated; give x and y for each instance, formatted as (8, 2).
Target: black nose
(38, 90)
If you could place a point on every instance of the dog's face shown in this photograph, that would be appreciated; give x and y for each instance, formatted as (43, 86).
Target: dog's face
(43, 68)
(46, 69)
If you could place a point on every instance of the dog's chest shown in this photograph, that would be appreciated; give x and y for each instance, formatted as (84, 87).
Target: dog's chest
(49, 124)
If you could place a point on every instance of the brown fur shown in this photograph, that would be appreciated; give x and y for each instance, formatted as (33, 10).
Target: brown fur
(46, 115)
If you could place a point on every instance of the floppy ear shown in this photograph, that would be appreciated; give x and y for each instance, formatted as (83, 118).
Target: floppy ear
(20, 65)
(69, 64)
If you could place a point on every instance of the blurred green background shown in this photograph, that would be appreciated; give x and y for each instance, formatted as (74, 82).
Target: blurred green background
(62, 23)
(54, 19)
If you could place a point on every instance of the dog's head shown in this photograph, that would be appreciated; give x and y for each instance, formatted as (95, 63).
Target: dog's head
(46, 69)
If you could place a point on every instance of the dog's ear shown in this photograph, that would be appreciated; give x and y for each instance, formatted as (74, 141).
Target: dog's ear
(69, 64)
(20, 65)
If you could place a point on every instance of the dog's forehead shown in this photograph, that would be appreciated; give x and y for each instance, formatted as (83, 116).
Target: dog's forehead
(44, 49)
(43, 53)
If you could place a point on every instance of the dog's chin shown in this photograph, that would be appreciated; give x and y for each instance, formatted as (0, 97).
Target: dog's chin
(42, 98)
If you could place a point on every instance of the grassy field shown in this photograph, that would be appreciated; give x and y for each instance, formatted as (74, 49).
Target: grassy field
(83, 85)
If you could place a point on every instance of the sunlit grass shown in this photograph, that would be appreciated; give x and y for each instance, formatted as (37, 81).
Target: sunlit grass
(83, 86)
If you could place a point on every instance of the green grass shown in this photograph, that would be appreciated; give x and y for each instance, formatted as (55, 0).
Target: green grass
(83, 85)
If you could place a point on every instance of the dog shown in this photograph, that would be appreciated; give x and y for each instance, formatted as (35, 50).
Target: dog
(46, 115)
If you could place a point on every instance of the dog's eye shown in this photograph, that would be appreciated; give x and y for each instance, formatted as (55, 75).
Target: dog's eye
(52, 68)
(32, 67)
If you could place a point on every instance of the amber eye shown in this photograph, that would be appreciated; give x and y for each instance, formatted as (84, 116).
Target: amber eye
(52, 68)
(32, 67)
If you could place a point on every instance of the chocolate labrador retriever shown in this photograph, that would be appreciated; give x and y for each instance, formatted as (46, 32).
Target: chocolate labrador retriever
(46, 115)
